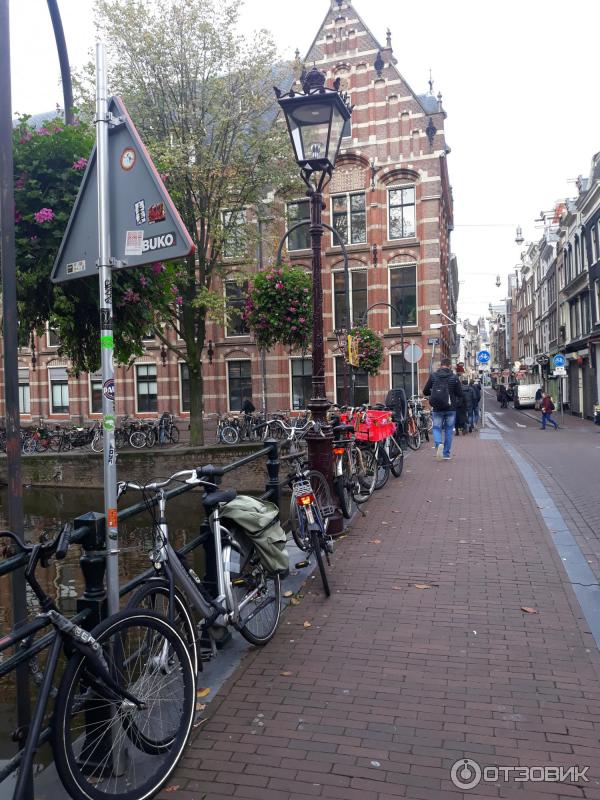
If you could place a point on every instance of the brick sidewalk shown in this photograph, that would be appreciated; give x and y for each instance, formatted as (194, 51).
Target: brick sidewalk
(392, 684)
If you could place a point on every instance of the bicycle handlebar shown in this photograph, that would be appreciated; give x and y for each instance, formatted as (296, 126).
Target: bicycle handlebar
(59, 545)
(194, 477)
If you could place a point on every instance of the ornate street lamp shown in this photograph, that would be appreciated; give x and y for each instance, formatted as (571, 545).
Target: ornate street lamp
(315, 118)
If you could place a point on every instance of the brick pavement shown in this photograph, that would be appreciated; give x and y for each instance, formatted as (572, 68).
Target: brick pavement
(392, 684)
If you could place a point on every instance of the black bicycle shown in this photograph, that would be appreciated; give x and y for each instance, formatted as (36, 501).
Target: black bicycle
(125, 704)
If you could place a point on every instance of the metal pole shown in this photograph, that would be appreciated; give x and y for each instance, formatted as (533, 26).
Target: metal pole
(63, 58)
(483, 399)
(412, 371)
(106, 335)
(11, 369)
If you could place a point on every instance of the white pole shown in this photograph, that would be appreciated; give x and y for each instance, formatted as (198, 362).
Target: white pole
(106, 335)
(412, 370)
(483, 399)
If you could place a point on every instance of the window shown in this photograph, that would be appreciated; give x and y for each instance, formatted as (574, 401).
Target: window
(234, 234)
(347, 129)
(597, 299)
(59, 390)
(240, 383)
(184, 382)
(403, 295)
(573, 320)
(298, 211)
(24, 396)
(595, 250)
(585, 312)
(361, 384)
(148, 336)
(301, 369)
(96, 393)
(358, 296)
(147, 387)
(235, 298)
(401, 212)
(349, 218)
(53, 340)
(400, 377)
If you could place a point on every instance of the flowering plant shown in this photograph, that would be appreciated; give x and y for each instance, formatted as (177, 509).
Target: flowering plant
(370, 349)
(279, 307)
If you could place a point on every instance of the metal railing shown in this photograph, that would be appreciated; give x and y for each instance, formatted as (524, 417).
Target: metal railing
(89, 532)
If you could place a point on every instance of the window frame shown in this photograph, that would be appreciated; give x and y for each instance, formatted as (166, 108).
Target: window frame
(49, 332)
(237, 256)
(291, 376)
(414, 324)
(348, 196)
(180, 367)
(22, 385)
(406, 372)
(228, 377)
(300, 219)
(94, 378)
(351, 272)
(62, 383)
(338, 362)
(145, 364)
(396, 188)
(227, 282)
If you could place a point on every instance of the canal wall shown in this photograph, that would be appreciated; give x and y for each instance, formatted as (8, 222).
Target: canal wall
(83, 469)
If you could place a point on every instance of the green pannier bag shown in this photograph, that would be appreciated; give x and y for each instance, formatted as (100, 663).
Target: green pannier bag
(259, 521)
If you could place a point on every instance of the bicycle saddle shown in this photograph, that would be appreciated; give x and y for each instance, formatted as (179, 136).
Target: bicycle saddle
(343, 429)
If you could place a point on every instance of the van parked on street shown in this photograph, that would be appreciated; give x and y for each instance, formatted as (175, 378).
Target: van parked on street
(525, 394)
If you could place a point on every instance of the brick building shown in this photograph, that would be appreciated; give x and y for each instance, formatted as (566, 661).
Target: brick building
(391, 201)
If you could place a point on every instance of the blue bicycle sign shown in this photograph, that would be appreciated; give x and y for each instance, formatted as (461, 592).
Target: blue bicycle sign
(483, 356)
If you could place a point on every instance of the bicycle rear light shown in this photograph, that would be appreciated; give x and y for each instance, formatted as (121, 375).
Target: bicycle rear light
(305, 499)
(339, 451)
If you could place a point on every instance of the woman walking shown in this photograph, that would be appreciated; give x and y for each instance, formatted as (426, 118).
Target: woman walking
(547, 409)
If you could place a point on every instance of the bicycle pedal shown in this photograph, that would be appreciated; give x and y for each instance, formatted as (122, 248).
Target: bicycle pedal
(239, 582)
(302, 564)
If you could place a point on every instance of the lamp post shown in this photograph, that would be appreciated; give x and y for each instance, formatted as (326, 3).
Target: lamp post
(315, 120)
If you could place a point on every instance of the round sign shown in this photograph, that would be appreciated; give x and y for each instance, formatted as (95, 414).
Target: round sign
(128, 158)
(528, 361)
(483, 356)
(542, 359)
(413, 353)
(559, 360)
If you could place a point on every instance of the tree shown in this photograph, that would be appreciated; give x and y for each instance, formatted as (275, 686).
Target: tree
(49, 163)
(201, 96)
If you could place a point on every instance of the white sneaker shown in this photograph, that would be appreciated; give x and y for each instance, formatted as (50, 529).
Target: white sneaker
(439, 450)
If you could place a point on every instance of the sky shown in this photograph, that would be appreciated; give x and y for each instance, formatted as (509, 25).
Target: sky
(518, 81)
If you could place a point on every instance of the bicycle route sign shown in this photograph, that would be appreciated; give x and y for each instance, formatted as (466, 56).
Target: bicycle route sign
(559, 360)
(144, 224)
(483, 356)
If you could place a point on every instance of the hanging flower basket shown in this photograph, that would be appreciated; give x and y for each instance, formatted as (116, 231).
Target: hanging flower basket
(370, 349)
(278, 309)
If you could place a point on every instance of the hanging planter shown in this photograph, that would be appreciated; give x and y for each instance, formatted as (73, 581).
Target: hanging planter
(370, 349)
(278, 309)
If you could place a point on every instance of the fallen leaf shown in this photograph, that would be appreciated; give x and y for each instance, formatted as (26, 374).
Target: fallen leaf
(295, 601)
(307, 624)
(385, 523)
(422, 586)
(285, 674)
(288, 594)
(202, 692)
(374, 541)
(172, 788)
(428, 501)
(528, 610)
(200, 706)
(398, 588)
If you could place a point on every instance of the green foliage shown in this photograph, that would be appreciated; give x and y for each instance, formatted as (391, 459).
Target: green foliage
(279, 307)
(49, 165)
(370, 349)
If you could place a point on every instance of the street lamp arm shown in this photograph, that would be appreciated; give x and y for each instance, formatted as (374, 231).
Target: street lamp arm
(363, 320)
(438, 312)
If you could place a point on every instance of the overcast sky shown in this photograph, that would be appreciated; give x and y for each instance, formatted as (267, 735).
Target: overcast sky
(518, 81)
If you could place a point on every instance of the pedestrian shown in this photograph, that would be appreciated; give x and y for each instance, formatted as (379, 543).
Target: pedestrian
(463, 406)
(538, 398)
(443, 390)
(503, 396)
(469, 395)
(547, 409)
(477, 399)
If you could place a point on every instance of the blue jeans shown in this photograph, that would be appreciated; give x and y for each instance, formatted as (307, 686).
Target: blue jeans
(445, 420)
(475, 414)
(547, 417)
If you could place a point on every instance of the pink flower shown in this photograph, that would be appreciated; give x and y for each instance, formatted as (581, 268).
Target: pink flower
(131, 297)
(20, 182)
(302, 320)
(174, 289)
(157, 267)
(80, 164)
(279, 285)
(143, 281)
(18, 217)
(43, 215)
(179, 300)
(26, 137)
(44, 132)
(33, 238)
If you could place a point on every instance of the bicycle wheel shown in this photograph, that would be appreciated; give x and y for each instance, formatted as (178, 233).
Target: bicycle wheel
(413, 435)
(253, 595)
(396, 458)
(151, 437)
(342, 484)
(383, 467)
(229, 435)
(105, 747)
(317, 548)
(98, 443)
(323, 501)
(138, 439)
(174, 434)
(365, 470)
(154, 596)
(28, 446)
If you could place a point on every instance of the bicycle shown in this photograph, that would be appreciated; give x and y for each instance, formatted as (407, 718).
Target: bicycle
(423, 417)
(310, 509)
(354, 467)
(248, 597)
(125, 704)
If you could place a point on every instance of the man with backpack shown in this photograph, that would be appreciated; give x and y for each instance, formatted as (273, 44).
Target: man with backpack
(444, 391)
(547, 409)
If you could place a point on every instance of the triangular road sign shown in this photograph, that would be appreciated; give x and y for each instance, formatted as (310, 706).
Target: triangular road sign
(145, 226)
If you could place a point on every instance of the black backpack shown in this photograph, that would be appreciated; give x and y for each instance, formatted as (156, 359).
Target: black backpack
(440, 393)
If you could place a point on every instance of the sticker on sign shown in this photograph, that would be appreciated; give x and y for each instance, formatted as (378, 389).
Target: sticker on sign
(134, 243)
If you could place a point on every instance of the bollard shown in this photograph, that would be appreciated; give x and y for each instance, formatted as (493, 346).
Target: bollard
(273, 485)
(93, 566)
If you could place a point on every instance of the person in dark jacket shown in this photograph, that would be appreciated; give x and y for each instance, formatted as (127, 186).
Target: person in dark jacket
(547, 409)
(477, 399)
(469, 395)
(503, 396)
(443, 417)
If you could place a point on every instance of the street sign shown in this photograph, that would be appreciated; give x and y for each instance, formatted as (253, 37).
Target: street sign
(559, 372)
(433, 341)
(413, 353)
(542, 359)
(559, 360)
(529, 361)
(144, 224)
(483, 356)
(353, 354)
